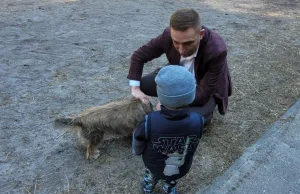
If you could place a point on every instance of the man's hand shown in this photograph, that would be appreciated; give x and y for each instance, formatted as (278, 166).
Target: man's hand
(137, 93)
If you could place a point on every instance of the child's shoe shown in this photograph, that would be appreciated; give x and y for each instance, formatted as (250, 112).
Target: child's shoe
(169, 188)
(149, 182)
(146, 189)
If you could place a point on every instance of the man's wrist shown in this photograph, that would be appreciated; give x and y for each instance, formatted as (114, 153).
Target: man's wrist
(134, 83)
(134, 88)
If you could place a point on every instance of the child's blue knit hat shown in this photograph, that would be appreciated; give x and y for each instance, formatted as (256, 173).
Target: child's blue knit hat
(175, 86)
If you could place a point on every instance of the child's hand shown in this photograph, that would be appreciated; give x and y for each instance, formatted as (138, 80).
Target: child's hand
(158, 106)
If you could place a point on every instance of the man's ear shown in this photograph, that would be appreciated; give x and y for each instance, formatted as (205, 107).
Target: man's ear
(202, 33)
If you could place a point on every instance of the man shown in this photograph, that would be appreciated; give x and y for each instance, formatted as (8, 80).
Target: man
(203, 52)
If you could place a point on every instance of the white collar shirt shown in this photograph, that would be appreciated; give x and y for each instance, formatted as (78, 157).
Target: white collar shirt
(188, 62)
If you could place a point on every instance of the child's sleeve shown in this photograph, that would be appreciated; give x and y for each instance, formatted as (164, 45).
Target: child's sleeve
(139, 140)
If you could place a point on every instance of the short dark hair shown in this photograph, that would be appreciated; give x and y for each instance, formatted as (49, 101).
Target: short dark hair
(182, 19)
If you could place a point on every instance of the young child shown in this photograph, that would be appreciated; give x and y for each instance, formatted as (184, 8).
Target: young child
(169, 138)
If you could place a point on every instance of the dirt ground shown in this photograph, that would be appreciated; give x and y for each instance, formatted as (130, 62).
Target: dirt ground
(60, 57)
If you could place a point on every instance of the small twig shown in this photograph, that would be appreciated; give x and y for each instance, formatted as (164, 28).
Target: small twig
(61, 134)
(7, 155)
(40, 177)
(68, 182)
(107, 92)
(51, 54)
(252, 86)
(33, 100)
(34, 188)
(27, 190)
(233, 71)
(89, 58)
(239, 91)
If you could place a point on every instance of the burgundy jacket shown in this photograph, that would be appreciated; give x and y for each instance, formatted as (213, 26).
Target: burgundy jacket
(211, 69)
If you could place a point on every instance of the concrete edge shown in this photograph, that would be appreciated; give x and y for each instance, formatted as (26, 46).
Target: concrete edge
(240, 163)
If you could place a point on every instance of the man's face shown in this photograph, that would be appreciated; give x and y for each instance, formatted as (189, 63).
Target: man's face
(186, 42)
